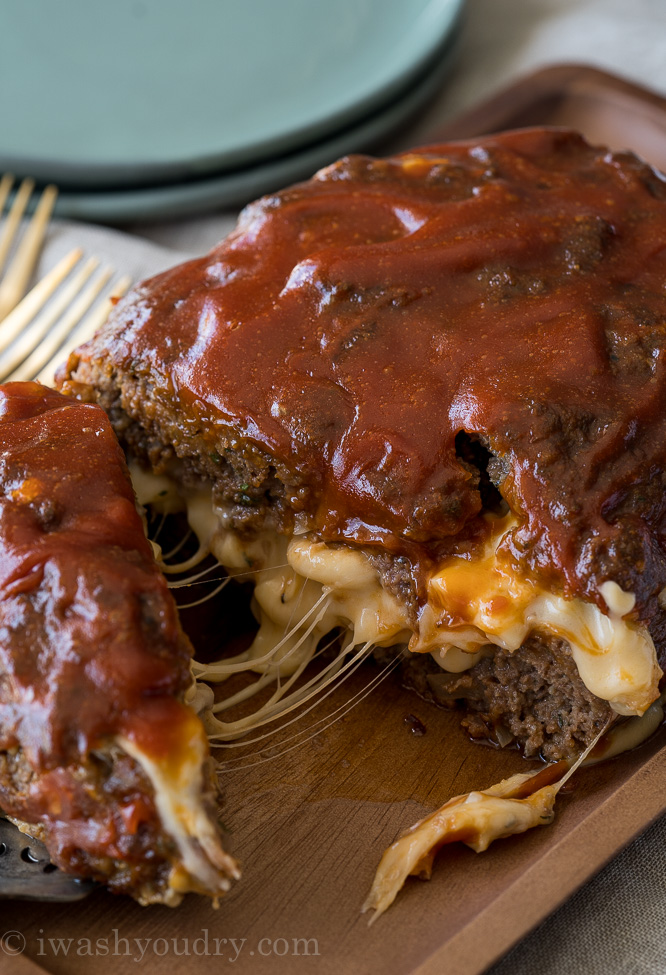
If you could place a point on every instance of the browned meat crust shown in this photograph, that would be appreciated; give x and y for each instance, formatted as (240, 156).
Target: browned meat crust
(105, 798)
(257, 490)
(533, 696)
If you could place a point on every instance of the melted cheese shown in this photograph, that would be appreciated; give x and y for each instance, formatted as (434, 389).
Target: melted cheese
(291, 578)
(302, 579)
(476, 819)
(305, 588)
(179, 786)
(484, 600)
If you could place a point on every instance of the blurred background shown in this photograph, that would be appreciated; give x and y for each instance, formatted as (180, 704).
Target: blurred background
(159, 109)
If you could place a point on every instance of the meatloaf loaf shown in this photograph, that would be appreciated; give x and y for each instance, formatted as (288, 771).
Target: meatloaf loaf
(441, 374)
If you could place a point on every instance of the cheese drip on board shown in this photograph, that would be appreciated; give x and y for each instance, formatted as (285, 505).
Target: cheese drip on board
(476, 819)
(305, 588)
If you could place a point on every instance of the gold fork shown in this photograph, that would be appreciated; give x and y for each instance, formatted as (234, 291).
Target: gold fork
(18, 273)
(51, 320)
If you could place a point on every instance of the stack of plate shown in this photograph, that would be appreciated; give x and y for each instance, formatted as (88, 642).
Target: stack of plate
(159, 108)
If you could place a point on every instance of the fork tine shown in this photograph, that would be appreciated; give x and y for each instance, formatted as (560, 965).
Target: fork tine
(5, 186)
(98, 316)
(85, 330)
(26, 310)
(47, 348)
(18, 273)
(40, 328)
(14, 218)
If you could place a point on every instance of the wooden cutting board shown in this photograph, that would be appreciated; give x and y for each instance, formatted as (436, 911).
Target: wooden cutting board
(310, 826)
(607, 109)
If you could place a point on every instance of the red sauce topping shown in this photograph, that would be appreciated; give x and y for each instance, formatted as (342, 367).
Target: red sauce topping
(90, 643)
(513, 290)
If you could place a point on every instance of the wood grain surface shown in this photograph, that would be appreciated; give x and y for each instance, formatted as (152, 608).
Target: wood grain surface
(310, 827)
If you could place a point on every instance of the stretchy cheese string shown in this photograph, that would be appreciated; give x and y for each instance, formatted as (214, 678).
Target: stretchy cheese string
(299, 738)
(269, 668)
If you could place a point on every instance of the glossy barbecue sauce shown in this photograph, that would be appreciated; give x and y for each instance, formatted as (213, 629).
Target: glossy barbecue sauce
(90, 646)
(511, 291)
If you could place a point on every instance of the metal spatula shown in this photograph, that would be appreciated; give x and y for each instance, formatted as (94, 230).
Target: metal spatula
(27, 873)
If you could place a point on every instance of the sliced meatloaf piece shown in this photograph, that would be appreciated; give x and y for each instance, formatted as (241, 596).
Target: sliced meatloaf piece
(100, 757)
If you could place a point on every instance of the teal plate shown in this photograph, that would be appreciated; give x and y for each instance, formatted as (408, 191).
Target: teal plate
(237, 187)
(147, 91)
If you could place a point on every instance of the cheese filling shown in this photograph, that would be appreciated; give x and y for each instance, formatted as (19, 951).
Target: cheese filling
(179, 785)
(305, 588)
(474, 602)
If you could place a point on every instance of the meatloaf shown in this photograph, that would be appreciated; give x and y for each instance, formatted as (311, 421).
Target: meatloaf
(450, 364)
(99, 755)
